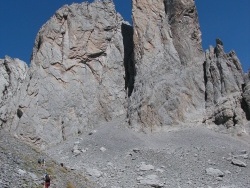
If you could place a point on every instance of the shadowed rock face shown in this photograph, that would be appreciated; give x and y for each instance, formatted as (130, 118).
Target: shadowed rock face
(246, 96)
(185, 29)
(77, 74)
(168, 84)
(224, 81)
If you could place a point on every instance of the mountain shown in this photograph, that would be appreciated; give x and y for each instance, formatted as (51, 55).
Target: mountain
(89, 66)
(90, 70)
(77, 74)
(169, 87)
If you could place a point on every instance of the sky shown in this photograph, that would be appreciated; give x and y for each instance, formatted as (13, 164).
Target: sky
(228, 20)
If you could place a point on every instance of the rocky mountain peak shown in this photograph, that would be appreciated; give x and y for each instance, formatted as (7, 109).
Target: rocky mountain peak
(96, 85)
(89, 67)
(185, 29)
(166, 91)
(224, 85)
(77, 74)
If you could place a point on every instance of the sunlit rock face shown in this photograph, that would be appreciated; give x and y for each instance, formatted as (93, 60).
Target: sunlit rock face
(88, 66)
(12, 75)
(77, 75)
(169, 86)
(224, 86)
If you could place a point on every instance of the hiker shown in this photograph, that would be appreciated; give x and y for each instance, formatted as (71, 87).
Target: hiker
(41, 162)
(46, 181)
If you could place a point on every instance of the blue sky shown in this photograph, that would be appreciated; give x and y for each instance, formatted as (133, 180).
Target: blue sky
(228, 20)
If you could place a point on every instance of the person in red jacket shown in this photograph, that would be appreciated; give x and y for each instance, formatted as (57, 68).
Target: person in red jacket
(46, 181)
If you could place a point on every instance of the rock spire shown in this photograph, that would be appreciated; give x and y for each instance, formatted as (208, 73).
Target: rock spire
(168, 85)
(89, 66)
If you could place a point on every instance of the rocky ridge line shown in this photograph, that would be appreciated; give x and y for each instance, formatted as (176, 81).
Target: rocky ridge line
(89, 66)
(224, 87)
(80, 55)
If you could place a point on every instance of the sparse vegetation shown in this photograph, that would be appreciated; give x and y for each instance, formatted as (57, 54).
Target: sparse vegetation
(70, 185)
(50, 171)
(18, 155)
(64, 170)
(39, 186)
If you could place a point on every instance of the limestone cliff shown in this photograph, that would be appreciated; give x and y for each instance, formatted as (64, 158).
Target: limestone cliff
(12, 75)
(77, 74)
(246, 95)
(168, 86)
(224, 84)
(89, 66)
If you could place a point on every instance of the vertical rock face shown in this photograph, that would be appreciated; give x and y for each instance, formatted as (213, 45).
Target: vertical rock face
(183, 18)
(246, 95)
(77, 74)
(12, 75)
(168, 84)
(89, 66)
(224, 83)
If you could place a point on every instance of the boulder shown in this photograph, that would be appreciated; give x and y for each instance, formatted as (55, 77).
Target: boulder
(150, 180)
(146, 167)
(214, 172)
(238, 162)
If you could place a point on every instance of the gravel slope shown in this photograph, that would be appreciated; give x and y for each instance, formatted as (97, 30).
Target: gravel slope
(115, 156)
(19, 167)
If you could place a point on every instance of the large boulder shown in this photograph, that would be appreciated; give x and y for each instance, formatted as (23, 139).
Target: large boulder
(169, 87)
(224, 83)
(12, 75)
(77, 75)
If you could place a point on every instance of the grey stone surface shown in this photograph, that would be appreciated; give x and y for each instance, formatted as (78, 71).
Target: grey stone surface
(224, 81)
(246, 95)
(94, 172)
(19, 167)
(146, 167)
(168, 86)
(12, 75)
(92, 76)
(238, 162)
(77, 74)
(214, 172)
(151, 180)
(170, 151)
(85, 70)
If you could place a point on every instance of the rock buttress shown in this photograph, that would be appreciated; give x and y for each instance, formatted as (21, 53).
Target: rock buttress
(168, 86)
(12, 75)
(224, 87)
(77, 74)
